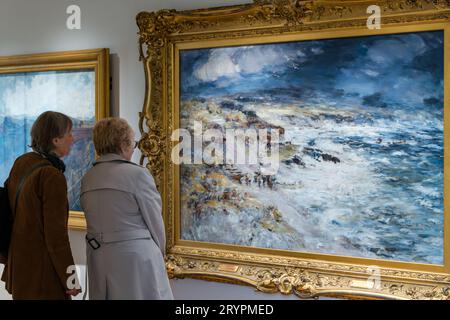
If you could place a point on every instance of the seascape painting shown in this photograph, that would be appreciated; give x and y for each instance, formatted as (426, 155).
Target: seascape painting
(361, 151)
(23, 96)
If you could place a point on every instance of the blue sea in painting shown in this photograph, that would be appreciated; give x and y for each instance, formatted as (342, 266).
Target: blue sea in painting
(24, 96)
(361, 157)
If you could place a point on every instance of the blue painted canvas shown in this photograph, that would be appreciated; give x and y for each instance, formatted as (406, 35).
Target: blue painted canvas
(23, 96)
(361, 154)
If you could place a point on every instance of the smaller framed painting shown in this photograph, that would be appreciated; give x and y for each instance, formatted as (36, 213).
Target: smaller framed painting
(74, 83)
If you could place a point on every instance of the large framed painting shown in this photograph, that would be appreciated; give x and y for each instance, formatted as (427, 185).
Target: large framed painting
(300, 148)
(75, 83)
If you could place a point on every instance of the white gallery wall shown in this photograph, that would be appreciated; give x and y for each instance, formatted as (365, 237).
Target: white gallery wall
(40, 26)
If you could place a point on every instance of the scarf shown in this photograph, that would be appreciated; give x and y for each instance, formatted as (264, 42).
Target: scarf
(55, 161)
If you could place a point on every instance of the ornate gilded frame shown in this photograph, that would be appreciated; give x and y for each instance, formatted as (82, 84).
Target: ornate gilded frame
(96, 59)
(162, 34)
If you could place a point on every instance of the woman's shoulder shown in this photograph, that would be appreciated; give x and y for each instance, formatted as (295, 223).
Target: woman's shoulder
(29, 158)
(26, 162)
(134, 167)
(37, 169)
(113, 171)
(134, 173)
(128, 167)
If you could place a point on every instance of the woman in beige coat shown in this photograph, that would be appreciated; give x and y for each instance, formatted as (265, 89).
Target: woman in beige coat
(125, 231)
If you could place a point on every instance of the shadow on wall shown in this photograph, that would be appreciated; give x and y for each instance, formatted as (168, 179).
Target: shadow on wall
(114, 71)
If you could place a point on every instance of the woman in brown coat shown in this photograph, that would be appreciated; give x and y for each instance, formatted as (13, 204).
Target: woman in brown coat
(39, 257)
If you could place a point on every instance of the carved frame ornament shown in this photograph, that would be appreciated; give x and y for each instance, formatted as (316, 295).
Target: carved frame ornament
(163, 33)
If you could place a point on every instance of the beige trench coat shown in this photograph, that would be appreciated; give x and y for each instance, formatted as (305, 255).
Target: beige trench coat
(123, 215)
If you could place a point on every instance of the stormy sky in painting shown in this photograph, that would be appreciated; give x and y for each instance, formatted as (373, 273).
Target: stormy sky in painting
(375, 71)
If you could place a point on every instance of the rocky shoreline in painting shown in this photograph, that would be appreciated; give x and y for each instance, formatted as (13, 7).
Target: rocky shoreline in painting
(352, 181)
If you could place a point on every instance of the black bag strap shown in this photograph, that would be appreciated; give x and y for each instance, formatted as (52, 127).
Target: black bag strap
(22, 182)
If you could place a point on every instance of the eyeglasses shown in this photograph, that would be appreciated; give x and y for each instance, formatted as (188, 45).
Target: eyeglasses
(136, 143)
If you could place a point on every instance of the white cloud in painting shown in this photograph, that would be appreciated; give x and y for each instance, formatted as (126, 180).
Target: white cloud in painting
(371, 73)
(254, 59)
(300, 53)
(31, 94)
(218, 65)
(385, 53)
(317, 50)
(232, 62)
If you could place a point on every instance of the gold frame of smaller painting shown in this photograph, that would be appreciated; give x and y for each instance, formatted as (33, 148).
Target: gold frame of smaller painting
(95, 59)
(164, 33)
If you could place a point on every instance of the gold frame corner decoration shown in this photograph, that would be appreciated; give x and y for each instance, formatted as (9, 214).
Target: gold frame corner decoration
(164, 33)
(96, 59)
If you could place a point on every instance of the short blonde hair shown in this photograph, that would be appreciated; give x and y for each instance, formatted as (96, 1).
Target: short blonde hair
(112, 135)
